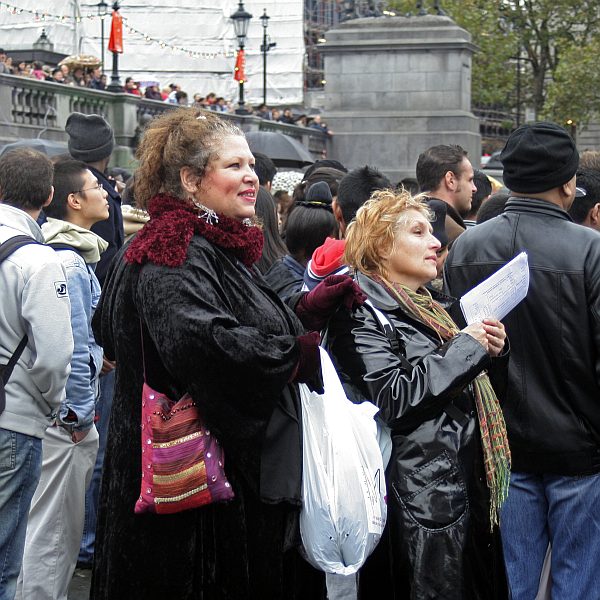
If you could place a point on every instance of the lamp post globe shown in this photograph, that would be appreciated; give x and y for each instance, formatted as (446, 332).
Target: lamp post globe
(241, 21)
(265, 18)
(102, 12)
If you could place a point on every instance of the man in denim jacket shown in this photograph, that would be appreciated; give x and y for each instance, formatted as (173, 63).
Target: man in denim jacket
(69, 448)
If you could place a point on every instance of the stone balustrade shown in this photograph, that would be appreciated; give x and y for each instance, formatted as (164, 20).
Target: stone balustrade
(31, 108)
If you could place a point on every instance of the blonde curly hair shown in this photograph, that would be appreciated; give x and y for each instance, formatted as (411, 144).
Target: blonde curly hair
(184, 137)
(371, 235)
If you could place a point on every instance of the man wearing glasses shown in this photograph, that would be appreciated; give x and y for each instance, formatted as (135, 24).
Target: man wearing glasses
(91, 140)
(69, 448)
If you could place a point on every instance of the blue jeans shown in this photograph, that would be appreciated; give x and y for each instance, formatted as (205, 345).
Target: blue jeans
(20, 468)
(563, 511)
(92, 496)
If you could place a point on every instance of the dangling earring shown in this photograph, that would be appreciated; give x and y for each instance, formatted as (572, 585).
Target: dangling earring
(206, 214)
(247, 222)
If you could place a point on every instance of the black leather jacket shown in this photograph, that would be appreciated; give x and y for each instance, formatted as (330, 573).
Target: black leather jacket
(552, 405)
(437, 496)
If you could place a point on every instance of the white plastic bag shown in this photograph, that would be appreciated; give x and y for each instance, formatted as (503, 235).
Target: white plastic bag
(343, 487)
(384, 440)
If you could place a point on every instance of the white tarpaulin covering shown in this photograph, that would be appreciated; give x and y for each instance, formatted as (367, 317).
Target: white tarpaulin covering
(201, 31)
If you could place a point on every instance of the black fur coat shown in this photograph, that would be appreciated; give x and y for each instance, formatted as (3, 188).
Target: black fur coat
(215, 330)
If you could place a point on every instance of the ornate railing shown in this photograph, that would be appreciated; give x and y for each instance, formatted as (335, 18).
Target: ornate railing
(31, 108)
(84, 104)
(495, 125)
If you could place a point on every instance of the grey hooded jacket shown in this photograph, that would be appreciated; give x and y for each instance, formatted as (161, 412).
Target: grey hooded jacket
(34, 302)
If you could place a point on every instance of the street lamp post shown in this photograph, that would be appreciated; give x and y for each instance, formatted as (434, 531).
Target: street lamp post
(241, 21)
(519, 85)
(572, 128)
(102, 12)
(266, 46)
(115, 83)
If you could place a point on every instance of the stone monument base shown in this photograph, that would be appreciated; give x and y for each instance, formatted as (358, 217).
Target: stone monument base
(396, 86)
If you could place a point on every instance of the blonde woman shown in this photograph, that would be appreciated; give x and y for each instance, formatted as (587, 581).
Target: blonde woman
(450, 462)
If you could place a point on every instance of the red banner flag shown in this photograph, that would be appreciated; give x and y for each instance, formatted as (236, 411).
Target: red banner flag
(239, 73)
(115, 43)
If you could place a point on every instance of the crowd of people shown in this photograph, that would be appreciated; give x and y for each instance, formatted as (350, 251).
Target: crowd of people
(209, 274)
(90, 77)
(95, 79)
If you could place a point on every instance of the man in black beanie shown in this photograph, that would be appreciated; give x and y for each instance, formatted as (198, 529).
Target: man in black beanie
(91, 140)
(551, 402)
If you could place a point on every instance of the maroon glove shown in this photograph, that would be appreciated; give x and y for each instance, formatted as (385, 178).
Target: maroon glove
(308, 369)
(317, 306)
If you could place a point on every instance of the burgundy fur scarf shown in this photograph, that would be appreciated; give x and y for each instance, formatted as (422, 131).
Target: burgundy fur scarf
(165, 238)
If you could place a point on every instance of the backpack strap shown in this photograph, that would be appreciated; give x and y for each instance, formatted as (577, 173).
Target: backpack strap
(14, 243)
(12, 361)
(6, 249)
(450, 409)
(63, 246)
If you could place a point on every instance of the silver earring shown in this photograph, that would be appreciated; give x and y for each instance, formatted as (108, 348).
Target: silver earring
(206, 214)
(247, 222)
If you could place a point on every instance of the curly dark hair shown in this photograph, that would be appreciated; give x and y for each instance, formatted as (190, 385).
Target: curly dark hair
(185, 137)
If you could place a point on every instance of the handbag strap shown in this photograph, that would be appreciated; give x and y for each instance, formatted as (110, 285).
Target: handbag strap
(156, 367)
(390, 333)
(143, 350)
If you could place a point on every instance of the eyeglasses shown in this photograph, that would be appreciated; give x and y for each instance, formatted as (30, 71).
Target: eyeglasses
(98, 186)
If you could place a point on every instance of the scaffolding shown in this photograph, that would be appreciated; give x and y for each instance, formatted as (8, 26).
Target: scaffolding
(319, 16)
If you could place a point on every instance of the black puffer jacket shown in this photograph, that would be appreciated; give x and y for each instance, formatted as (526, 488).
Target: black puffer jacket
(553, 394)
(438, 521)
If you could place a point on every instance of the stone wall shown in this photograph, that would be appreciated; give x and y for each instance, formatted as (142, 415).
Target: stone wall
(394, 87)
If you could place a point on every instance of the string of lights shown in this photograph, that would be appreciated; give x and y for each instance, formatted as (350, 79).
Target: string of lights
(44, 17)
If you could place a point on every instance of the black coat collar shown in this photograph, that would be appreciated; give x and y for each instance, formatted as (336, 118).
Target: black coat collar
(537, 206)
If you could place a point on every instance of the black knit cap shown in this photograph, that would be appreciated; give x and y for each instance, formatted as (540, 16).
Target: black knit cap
(538, 157)
(91, 138)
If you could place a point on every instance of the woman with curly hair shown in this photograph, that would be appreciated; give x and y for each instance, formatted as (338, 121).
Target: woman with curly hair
(187, 290)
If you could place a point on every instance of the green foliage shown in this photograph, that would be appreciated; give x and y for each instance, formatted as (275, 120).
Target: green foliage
(573, 93)
(557, 43)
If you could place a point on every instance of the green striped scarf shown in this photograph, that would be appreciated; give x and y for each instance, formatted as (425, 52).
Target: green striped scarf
(496, 451)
